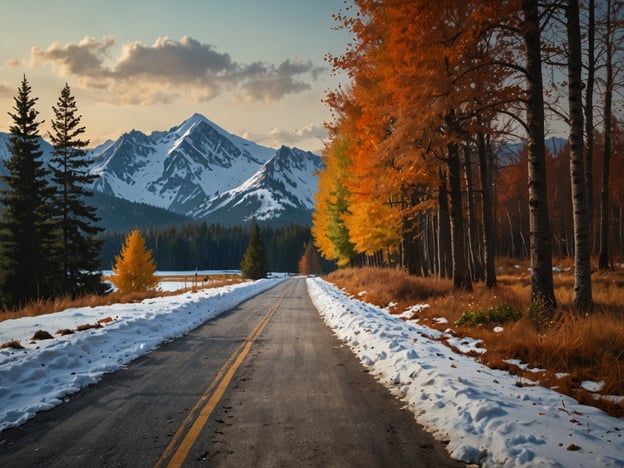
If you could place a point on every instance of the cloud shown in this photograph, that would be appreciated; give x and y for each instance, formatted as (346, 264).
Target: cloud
(169, 71)
(85, 59)
(6, 89)
(278, 136)
(269, 83)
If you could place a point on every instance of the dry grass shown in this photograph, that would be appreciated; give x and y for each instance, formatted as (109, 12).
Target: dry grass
(88, 326)
(49, 306)
(382, 287)
(13, 344)
(583, 347)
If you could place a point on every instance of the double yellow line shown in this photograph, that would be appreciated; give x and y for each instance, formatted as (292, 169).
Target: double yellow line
(183, 440)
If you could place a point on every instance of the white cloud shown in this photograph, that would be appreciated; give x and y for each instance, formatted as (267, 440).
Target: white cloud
(306, 136)
(171, 71)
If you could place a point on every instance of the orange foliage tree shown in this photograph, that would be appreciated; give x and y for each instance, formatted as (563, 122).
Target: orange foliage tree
(310, 263)
(426, 78)
(134, 267)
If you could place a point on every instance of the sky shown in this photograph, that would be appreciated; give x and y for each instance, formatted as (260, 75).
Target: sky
(256, 68)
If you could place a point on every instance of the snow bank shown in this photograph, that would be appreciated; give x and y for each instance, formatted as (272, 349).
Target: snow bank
(42, 374)
(483, 414)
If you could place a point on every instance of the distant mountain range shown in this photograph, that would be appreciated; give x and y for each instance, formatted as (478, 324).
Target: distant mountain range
(197, 171)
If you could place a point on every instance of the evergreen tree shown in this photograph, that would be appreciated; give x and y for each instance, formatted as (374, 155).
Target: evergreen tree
(134, 267)
(27, 230)
(254, 263)
(80, 248)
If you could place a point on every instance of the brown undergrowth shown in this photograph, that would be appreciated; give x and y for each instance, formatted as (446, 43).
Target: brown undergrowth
(570, 349)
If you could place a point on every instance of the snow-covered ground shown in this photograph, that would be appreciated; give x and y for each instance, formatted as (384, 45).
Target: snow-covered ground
(482, 413)
(45, 372)
(171, 285)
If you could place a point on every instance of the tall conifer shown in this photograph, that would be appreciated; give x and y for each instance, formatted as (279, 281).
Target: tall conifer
(77, 220)
(254, 263)
(27, 230)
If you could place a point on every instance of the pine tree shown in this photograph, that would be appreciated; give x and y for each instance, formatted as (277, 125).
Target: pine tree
(134, 267)
(254, 263)
(80, 248)
(27, 231)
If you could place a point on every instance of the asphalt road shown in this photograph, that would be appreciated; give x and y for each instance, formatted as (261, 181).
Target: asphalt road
(264, 385)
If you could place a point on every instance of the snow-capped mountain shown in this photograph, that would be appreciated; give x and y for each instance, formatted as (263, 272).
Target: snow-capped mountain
(200, 171)
(46, 148)
(282, 191)
(511, 150)
(179, 169)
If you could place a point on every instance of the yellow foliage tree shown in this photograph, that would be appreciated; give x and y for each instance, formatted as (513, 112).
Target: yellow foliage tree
(134, 267)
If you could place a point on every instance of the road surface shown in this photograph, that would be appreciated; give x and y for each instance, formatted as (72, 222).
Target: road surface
(264, 385)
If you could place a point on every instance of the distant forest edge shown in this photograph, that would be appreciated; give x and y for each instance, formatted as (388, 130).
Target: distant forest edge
(205, 246)
(117, 214)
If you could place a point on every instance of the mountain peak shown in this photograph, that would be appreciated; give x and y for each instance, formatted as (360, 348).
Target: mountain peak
(184, 169)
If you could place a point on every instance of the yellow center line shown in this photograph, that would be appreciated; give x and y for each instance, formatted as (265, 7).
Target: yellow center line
(199, 414)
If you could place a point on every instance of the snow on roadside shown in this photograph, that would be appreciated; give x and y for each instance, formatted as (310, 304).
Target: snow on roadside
(482, 413)
(45, 372)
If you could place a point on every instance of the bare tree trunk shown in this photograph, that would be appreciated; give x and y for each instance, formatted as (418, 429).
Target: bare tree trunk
(582, 267)
(486, 216)
(621, 227)
(474, 252)
(444, 231)
(603, 257)
(512, 238)
(589, 113)
(461, 275)
(542, 289)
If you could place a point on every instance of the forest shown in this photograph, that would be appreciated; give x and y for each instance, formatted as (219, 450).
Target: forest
(51, 242)
(205, 246)
(417, 174)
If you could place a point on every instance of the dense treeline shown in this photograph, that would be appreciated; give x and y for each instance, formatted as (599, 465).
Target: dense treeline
(414, 172)
(214, 247)
(48, 246)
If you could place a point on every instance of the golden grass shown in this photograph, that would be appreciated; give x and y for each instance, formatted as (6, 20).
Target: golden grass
(580, 346)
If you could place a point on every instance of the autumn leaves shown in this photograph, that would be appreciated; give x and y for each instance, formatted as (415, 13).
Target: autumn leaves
(433, 86)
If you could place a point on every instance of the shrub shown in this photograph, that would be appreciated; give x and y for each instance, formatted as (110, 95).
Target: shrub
(500, 313)
(538, 312)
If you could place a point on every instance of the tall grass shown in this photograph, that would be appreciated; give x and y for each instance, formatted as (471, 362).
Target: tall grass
(571, 348)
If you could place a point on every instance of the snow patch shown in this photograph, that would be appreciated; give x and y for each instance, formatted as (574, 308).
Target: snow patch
(485, 417)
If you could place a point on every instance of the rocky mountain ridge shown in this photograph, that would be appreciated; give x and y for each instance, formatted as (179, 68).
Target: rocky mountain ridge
(199, 171)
